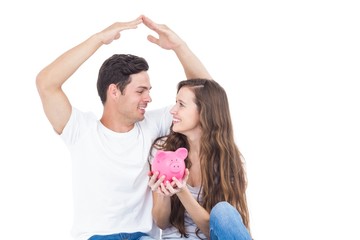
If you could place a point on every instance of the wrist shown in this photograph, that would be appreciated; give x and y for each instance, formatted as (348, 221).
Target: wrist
(183, 190)
(181, 47)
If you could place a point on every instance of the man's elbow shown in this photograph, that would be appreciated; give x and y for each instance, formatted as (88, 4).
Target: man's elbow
(40, 82)
(44, 84)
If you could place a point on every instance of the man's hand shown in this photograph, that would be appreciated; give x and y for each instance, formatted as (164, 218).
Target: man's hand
(112, 32)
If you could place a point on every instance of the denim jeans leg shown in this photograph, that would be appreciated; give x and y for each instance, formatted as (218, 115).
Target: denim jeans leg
(122, 236)
(226, 223)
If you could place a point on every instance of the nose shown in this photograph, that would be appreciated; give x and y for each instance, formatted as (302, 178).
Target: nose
(173, 110)
(148, 98)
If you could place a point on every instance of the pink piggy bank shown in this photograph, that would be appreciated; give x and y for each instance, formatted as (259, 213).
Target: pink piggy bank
(170, 163)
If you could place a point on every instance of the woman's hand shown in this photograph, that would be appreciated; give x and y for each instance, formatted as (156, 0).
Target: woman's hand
(154, 183)
(176, 185)
(167, 39)
(167, 188)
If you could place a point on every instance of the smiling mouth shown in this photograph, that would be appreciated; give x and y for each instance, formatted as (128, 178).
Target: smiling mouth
(175, 120)
(142, 109)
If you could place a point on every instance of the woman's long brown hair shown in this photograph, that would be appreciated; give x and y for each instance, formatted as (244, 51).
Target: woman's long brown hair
(223, 176)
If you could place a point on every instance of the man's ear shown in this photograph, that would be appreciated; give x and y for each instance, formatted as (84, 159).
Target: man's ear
(113, 91)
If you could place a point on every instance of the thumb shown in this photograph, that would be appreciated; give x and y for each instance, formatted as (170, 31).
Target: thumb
(153, 39)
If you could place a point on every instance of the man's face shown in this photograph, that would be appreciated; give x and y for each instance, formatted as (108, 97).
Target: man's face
(135, 97)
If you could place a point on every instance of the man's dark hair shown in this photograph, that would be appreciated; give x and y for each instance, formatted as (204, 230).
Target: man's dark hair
(117, 70)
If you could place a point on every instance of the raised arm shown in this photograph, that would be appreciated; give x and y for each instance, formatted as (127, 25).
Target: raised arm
(169, 40)
(49, 81)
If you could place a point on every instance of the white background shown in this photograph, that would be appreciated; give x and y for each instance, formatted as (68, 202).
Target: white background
(291, 70)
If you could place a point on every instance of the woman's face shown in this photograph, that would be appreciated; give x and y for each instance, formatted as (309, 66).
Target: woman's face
(185, 113)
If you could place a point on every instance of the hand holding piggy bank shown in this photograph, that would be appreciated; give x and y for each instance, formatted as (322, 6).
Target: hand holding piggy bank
(170, 163)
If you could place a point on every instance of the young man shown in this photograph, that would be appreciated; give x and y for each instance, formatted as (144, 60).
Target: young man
(109, 156)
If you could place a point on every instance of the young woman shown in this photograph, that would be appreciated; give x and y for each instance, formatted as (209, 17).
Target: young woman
(210, 202)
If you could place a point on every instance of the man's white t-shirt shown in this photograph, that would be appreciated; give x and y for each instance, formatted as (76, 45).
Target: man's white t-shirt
(110, 170)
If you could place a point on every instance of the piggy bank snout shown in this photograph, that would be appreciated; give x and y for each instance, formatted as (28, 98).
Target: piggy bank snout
(176, 166)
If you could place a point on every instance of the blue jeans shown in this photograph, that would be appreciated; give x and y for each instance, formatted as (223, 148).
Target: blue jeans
(122, 236)
(226, 223)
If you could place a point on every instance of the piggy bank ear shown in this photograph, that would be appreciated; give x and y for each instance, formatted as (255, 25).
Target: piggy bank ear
(160, 155)
(181, 152)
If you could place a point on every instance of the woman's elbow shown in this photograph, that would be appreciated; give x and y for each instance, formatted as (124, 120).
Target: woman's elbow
(161, 224)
